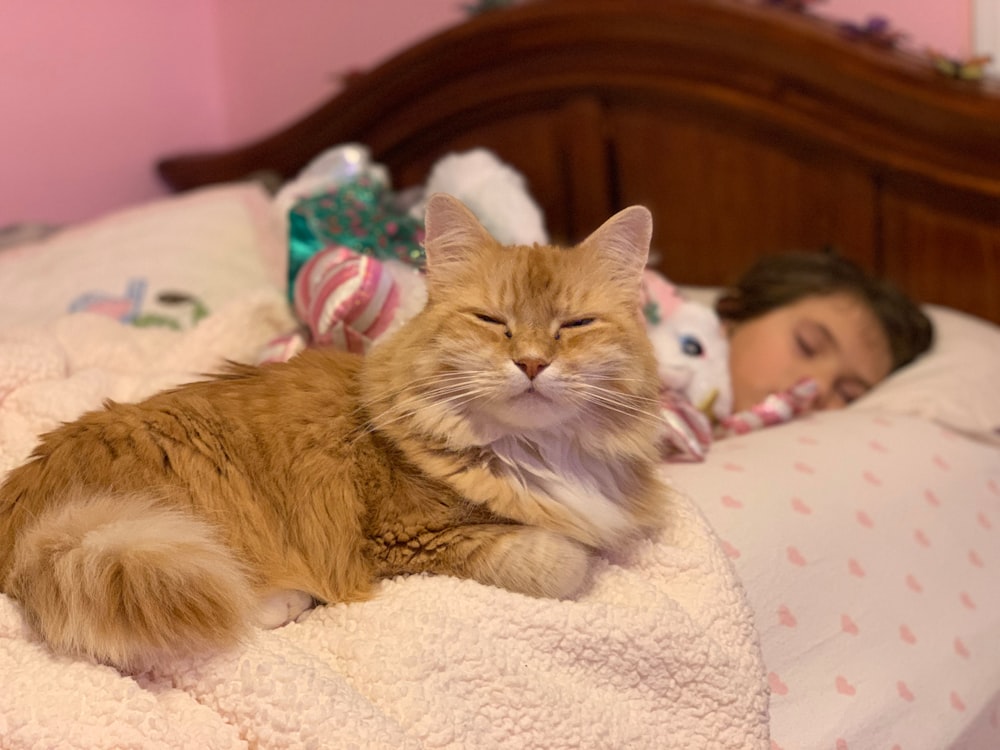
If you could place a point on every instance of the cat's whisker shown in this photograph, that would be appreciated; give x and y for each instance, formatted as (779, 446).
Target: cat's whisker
(584, 384)
(643, 417)
(448, 382)
(410, 408)
(622, 407)
(440, 395)
(613, 378)
(377, 405)
(634, 400)
(447, 376)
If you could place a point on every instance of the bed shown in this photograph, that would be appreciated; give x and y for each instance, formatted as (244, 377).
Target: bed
(827, 583)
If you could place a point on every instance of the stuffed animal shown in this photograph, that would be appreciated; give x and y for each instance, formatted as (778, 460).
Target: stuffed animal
(348, 300)
(495, 192)
(354, 245)
(691, 346)
(692, 354)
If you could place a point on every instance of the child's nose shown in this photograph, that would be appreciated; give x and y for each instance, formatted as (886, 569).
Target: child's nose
(826, 395)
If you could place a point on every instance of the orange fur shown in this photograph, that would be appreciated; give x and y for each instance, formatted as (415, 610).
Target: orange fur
(501, 435)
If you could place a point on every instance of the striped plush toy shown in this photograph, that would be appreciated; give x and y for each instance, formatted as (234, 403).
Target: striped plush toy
(355, 246)
(348, 300)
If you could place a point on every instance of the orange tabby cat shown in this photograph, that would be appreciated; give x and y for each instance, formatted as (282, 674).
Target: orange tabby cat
(502, 435)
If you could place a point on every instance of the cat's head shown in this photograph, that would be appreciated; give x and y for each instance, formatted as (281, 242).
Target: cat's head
(518, 339)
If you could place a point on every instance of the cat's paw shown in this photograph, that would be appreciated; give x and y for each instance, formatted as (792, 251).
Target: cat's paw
(281, 607)
(542, 563)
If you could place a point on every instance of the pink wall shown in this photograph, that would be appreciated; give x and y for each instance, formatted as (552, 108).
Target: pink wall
(944, 25)
(91, 92)
(310, 44)
(94, 92)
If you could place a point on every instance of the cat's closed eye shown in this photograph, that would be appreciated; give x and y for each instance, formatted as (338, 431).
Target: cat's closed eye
(494, 322)
(488, 319)
(575, 323)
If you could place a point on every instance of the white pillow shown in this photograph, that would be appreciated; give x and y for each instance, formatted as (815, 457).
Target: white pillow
(166, 261)
(957, 383)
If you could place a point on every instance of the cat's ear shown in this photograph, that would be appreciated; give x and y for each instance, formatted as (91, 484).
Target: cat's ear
(622, 244)
(452, 235)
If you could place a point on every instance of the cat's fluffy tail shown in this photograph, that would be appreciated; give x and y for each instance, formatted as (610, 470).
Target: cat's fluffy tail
(126, 581)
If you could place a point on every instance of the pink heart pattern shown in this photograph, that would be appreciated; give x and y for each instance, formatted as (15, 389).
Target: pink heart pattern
(777, 686)
(844, 687)
(795, 557)
(918, 553)
(800, 506)
(961, 649)
(785, 617)
(904, 692)
(872, 478)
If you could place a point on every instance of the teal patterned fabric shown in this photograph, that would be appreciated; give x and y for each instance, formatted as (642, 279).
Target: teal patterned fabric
(357, 215)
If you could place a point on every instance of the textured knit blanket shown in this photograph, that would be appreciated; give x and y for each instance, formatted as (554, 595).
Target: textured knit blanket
(660, 652)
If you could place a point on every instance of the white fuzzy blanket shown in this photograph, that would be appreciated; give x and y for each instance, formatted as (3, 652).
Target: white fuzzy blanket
(661, 652)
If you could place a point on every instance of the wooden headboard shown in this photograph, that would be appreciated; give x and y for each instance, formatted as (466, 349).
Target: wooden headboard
(746, 130)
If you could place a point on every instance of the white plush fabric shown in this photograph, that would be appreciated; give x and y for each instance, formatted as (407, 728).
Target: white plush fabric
(494, 191)
(214, 245)
(652, 657)
(661, 652)
(53, 372)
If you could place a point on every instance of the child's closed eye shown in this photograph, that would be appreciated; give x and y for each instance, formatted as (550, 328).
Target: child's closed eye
(811, 339)
(805, 347)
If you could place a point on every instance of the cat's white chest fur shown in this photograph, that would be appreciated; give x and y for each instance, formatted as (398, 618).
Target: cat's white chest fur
(554, 468)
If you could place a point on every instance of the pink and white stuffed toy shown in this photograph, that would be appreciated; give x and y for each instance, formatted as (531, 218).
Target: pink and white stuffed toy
(692, 351)
(692, 354)
(350, 300)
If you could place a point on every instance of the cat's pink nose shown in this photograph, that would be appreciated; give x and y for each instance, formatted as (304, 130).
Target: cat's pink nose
(531, 366)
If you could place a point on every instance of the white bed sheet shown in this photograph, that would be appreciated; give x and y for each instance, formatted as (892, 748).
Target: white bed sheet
(869, 544)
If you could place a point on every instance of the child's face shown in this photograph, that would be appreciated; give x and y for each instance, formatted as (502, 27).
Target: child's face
(834, 339)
